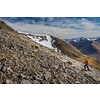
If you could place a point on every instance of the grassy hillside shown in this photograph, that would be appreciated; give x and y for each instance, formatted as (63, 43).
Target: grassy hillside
(71, 51)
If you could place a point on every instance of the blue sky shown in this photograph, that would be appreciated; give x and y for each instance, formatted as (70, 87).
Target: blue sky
(61, 27)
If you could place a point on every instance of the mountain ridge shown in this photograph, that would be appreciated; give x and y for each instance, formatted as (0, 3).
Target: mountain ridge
(83, 39)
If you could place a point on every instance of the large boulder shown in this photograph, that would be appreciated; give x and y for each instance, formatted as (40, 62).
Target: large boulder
(4, 68)
(25, 82)
(47, 75)
(23, 76)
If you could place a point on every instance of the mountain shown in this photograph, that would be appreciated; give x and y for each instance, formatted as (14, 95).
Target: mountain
(80, 40)
(24, 61)
(54, 43)
(83, 39)
(98, 39)
(88, 46)
(45, 40)
(61, 46)
(94, 39)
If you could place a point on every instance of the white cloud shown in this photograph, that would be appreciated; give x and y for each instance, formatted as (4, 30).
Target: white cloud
(50, 18)
(87, 28)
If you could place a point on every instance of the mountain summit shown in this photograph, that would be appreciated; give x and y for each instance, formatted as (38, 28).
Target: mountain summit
(25, 61)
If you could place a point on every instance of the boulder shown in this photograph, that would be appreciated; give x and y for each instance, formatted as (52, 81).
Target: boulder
(3, 61)
(8, 81)
(25, 82)
(35, 82)
(47, 75)
(77, 82)
(23, 76)
(9, 69)
(4, 68)
(56, 67)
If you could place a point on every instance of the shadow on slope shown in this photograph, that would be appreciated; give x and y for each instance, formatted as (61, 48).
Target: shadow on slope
(85, 47)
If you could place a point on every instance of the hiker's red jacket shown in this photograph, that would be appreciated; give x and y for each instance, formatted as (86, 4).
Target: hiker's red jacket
(86, 62)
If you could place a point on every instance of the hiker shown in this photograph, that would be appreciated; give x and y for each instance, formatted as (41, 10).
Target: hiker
(86, 65)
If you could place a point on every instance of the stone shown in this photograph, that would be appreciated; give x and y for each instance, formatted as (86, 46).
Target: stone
(25, 53)
(25, 82)
(16, 67)
(3, 61)
(54, 81)
(65, 75)
(56, 67)
(47, 75)
(61, 77)
(36, 50)
(7, 81)
(77, 82)
(10, 82)
(39, 79)
(45, 70)
(4, 68)
(94, 78)
(27, 77)
(0, 66)
(69, 62)
(9, 69)
(35, 82)
(23, 76)
(61, 82)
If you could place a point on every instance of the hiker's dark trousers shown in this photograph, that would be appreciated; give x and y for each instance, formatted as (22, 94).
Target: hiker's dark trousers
(86, 66)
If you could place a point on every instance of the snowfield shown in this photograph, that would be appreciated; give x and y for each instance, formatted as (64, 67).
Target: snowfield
(46, 43)
(45, 40)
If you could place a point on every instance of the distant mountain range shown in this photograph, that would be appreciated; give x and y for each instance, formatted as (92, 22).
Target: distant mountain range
(83, 39)
(89, 46)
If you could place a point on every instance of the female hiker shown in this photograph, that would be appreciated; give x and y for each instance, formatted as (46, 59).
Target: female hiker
(86, 65)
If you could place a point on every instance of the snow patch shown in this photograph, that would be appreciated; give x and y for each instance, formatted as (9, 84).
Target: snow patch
(53, 41)
(58, 42)
(46, 43)
(59, 51)
(22, 32)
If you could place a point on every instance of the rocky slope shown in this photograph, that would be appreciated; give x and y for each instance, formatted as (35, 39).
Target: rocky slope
(66, 48)
(27, 62)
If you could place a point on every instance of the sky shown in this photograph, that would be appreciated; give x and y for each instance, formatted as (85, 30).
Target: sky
(61, 27)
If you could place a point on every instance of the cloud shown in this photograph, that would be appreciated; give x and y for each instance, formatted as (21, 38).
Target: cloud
(87, 25)
(76, 24)
(60, 27)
